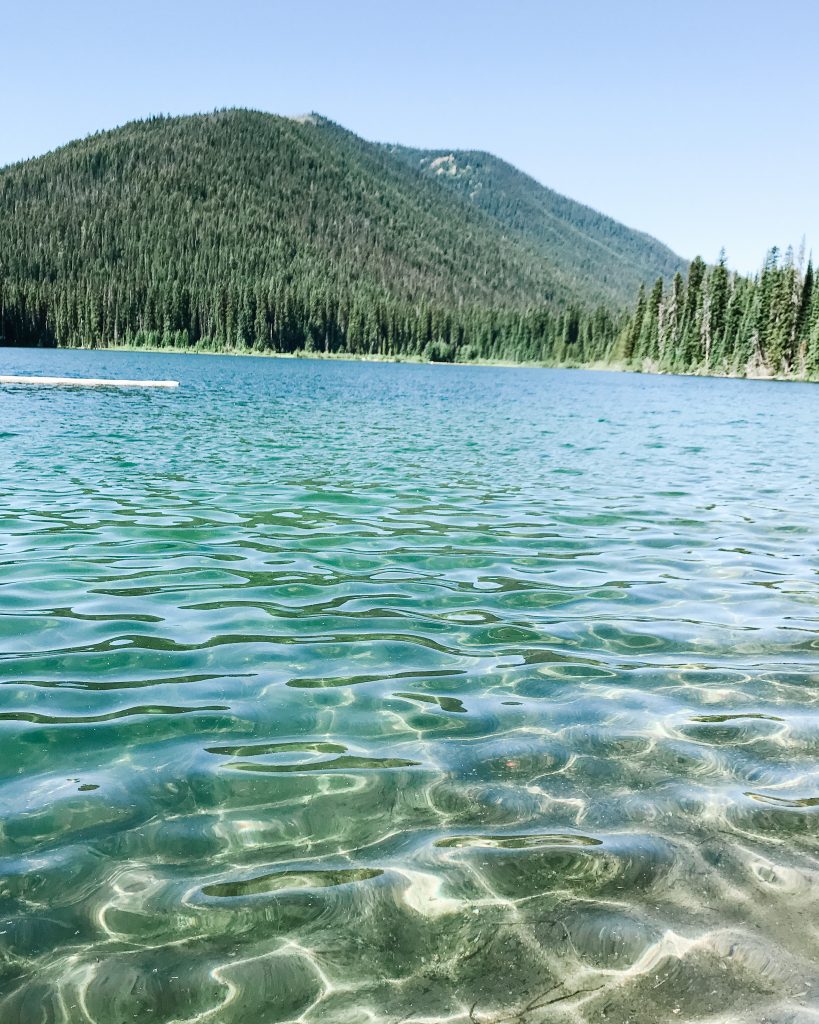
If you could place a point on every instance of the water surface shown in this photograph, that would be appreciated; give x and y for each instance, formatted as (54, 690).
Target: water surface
(338, 693)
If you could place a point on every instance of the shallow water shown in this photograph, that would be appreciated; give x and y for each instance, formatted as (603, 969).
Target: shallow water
(342, 693)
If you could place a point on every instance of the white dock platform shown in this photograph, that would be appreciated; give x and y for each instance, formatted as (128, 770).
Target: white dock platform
(88, 382)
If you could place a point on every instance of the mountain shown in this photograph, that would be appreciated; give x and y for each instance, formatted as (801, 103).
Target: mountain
(241, 229)
(599, 257)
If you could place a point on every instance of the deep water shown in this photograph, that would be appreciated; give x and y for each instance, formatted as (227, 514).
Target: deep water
(347, 693)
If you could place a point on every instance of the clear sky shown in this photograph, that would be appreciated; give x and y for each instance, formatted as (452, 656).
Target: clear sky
(696, 121)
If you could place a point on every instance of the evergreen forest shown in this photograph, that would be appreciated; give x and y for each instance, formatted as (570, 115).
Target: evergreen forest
(247, 232)
(715, 321)
(244, 231)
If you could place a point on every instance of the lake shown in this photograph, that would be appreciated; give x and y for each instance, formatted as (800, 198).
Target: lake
(337, 692)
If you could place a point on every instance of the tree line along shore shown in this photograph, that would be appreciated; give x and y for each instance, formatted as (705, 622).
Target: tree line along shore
(712, 321)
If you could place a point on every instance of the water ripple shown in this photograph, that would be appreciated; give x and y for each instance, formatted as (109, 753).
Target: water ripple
(337, 693)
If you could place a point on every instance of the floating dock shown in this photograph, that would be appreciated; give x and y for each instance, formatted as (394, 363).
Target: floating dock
(89, 382)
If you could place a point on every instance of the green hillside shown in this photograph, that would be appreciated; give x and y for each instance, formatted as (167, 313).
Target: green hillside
(599, 258)
(244, 230)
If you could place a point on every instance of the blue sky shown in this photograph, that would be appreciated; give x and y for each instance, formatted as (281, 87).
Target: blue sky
(694, 121)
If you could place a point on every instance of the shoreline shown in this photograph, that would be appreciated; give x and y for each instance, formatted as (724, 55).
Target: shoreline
(352, 357)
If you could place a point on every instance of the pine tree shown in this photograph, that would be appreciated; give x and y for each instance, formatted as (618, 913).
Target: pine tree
(690, 352)
(717, 303)
(631, 335)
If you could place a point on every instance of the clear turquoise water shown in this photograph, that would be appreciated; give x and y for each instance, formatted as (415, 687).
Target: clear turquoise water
(334, 692)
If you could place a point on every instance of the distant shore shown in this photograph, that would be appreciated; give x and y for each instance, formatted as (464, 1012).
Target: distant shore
(352, 357)
(620, 366)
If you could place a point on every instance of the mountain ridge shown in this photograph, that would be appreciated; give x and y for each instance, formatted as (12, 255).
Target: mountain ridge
(240, 228)
(546, 218)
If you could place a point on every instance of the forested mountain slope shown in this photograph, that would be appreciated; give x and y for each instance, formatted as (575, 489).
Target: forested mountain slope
(240, 229)
(599, 257)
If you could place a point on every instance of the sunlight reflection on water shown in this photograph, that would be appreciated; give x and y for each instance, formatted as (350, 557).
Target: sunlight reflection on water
(338, 692)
